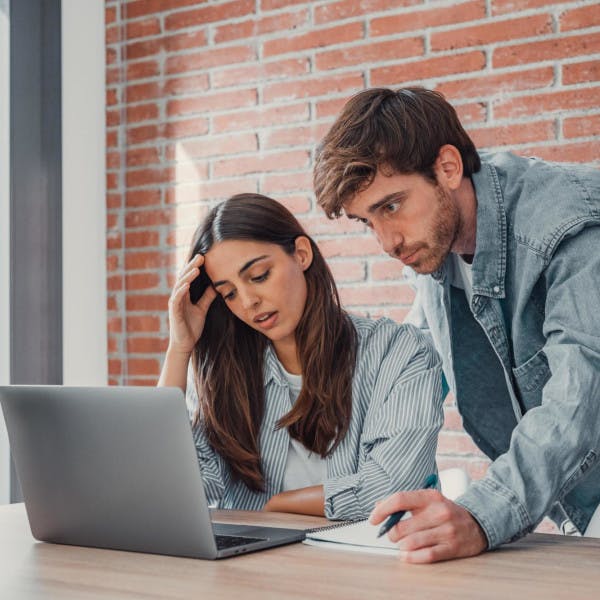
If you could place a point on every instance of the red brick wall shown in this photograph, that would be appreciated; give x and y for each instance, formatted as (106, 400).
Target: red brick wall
(206, 99)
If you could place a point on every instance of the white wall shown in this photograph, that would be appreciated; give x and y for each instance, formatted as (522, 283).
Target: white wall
(84, 187)
(4, 239)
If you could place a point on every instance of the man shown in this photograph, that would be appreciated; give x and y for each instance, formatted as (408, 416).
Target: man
(506, 255)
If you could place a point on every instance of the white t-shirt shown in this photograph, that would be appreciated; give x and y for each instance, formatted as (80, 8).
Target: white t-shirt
(303, 467)
(461, 275)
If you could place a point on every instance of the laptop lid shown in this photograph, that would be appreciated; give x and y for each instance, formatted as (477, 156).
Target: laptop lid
(114, 467)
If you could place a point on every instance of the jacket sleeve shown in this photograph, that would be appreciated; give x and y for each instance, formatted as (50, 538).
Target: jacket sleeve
(215, 474)
(399, 435)
(555, 445)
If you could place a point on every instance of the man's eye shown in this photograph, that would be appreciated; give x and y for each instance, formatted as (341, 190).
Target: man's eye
(361, 220)
(260, 278)
(391, 208)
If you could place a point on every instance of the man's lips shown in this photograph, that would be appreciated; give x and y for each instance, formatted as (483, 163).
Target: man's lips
(409, 257)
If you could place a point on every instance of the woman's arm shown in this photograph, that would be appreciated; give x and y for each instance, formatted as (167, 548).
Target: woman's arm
(305, 501)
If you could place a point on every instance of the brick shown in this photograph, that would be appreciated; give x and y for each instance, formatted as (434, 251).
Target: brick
(547, 102)
(142, 324)
(143, 133)
(281, 183)
(345, 9)
(110, 15)
(113, 75)
(520, 133)
(386, 269)
(209, 190)
(114, 240)
(426, 68)
(142, 281)
(580, 18)
(147, 345)
(147, 177)
(112, 263)
(206, 59)
(586, 126)
(212, 102)
(357, 246)
(186, 84)
(347, 271)
(308, 88)
(113, 118)
(397, 314)
(169, 44)
(144, 197)
(303, 135)
(142, 69)
(149, 218)
(147, 260)
(114, 283)
(112, 345)
(471, 112)
(260, 72)
(114, 366)
(114, 324)
(503, 83)
(297, 204)
(143, 366)
(142, 112)
(142, 28)
(274, 4)
(260, 117)
(112, 181)
(114, 201)
(111, 56)
(141, 381)
(456, 443)
(373, 52)
(319, 225)
(113, 160)
(430, 17)
(378, 295)
(452, 420)
(502, 7)
(255, 27)
(281, 161)
(581, 72)
(143, 91)
(557, 48)
(314, 39)
(141, 8)
(209, 14)
(142, 157)
(111, 303)
(142, 239)
(186, 127)
(212, 146)
(143, 302)
(112, 139)
(488, 33)
(581, 152)
(330, 108)
(112, 35)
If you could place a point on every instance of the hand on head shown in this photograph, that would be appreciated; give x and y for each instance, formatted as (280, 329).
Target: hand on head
(438, 529)
(186, 320)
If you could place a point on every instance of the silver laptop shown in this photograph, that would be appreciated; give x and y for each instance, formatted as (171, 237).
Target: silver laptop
(116, 467)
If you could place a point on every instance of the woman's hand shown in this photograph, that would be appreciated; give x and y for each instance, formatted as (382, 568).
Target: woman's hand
(304, 501)
(186, 320)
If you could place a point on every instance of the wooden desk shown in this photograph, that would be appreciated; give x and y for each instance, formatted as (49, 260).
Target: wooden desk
(540, 566)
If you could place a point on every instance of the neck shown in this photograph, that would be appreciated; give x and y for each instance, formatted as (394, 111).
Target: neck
(287, 354)
(466, 202)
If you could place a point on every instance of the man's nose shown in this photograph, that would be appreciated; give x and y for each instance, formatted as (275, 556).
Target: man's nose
(389, 239)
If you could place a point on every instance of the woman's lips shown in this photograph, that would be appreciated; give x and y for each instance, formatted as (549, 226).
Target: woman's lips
(268, 322)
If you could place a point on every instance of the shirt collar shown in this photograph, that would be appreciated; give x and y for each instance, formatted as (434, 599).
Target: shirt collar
(272, 368)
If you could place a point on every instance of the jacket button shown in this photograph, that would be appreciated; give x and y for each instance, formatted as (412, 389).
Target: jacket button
(496, 289)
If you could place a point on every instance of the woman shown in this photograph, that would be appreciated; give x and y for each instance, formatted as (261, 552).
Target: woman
(302, 408)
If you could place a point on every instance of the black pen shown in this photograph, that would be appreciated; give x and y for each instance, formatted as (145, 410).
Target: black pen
(394, 518)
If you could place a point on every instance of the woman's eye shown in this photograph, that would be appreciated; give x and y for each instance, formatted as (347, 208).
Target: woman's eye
(229, 296)
(260, 278)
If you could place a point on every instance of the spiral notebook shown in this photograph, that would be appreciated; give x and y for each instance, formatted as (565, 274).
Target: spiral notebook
(358, 536)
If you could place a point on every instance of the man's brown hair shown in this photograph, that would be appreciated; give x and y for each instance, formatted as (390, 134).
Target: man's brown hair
(398, 130)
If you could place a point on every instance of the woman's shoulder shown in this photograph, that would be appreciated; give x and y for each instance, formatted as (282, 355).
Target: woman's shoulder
(384, 335)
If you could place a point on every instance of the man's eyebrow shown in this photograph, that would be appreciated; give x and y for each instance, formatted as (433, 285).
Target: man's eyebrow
(244, 268)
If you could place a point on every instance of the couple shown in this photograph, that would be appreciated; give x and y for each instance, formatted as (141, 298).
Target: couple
(303, 408)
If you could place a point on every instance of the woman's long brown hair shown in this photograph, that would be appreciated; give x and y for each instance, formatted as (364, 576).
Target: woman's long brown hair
(228, 357)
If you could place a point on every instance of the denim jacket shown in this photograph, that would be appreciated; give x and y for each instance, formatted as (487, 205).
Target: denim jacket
(523, 358)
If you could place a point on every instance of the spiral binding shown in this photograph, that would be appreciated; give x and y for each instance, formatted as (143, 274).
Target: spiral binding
(334, 526)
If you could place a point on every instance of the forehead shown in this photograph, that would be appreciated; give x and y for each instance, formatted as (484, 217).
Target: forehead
(229, 256)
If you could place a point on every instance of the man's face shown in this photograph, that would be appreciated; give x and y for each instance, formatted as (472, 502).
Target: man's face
(413, 219)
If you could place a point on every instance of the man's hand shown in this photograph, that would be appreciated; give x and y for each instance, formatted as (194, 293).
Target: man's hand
(438, 529)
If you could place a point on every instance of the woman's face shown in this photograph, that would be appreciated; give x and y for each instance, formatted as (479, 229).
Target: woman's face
(261, 284)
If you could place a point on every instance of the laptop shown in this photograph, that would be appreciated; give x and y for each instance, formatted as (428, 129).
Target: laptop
(116, 467)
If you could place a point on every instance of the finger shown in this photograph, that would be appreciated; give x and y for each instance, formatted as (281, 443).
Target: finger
(414, 500)
(194, 263)
(420, 539)
(179, 295)
(207, 298)
(427, 555)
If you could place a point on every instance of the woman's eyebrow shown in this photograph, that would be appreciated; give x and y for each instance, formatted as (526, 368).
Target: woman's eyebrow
(244, 268)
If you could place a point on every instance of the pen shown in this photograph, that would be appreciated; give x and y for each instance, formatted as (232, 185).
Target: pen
(393, 519)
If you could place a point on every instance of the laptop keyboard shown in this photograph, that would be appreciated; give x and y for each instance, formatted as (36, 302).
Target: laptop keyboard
(230, 541)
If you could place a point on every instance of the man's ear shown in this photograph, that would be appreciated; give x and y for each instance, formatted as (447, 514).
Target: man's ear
(304, 252)
(449, 167)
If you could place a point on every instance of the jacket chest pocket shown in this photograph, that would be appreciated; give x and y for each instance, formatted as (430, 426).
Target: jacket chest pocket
(530, 379)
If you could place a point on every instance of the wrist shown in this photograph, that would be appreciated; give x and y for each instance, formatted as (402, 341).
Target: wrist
(178, 353)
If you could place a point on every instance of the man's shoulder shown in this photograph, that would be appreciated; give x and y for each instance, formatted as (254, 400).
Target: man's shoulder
(545, 201)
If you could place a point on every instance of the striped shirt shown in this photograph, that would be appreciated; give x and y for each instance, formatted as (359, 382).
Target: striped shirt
(391, 441)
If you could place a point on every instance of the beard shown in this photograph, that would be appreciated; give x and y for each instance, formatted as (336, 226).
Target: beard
(443, 233)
